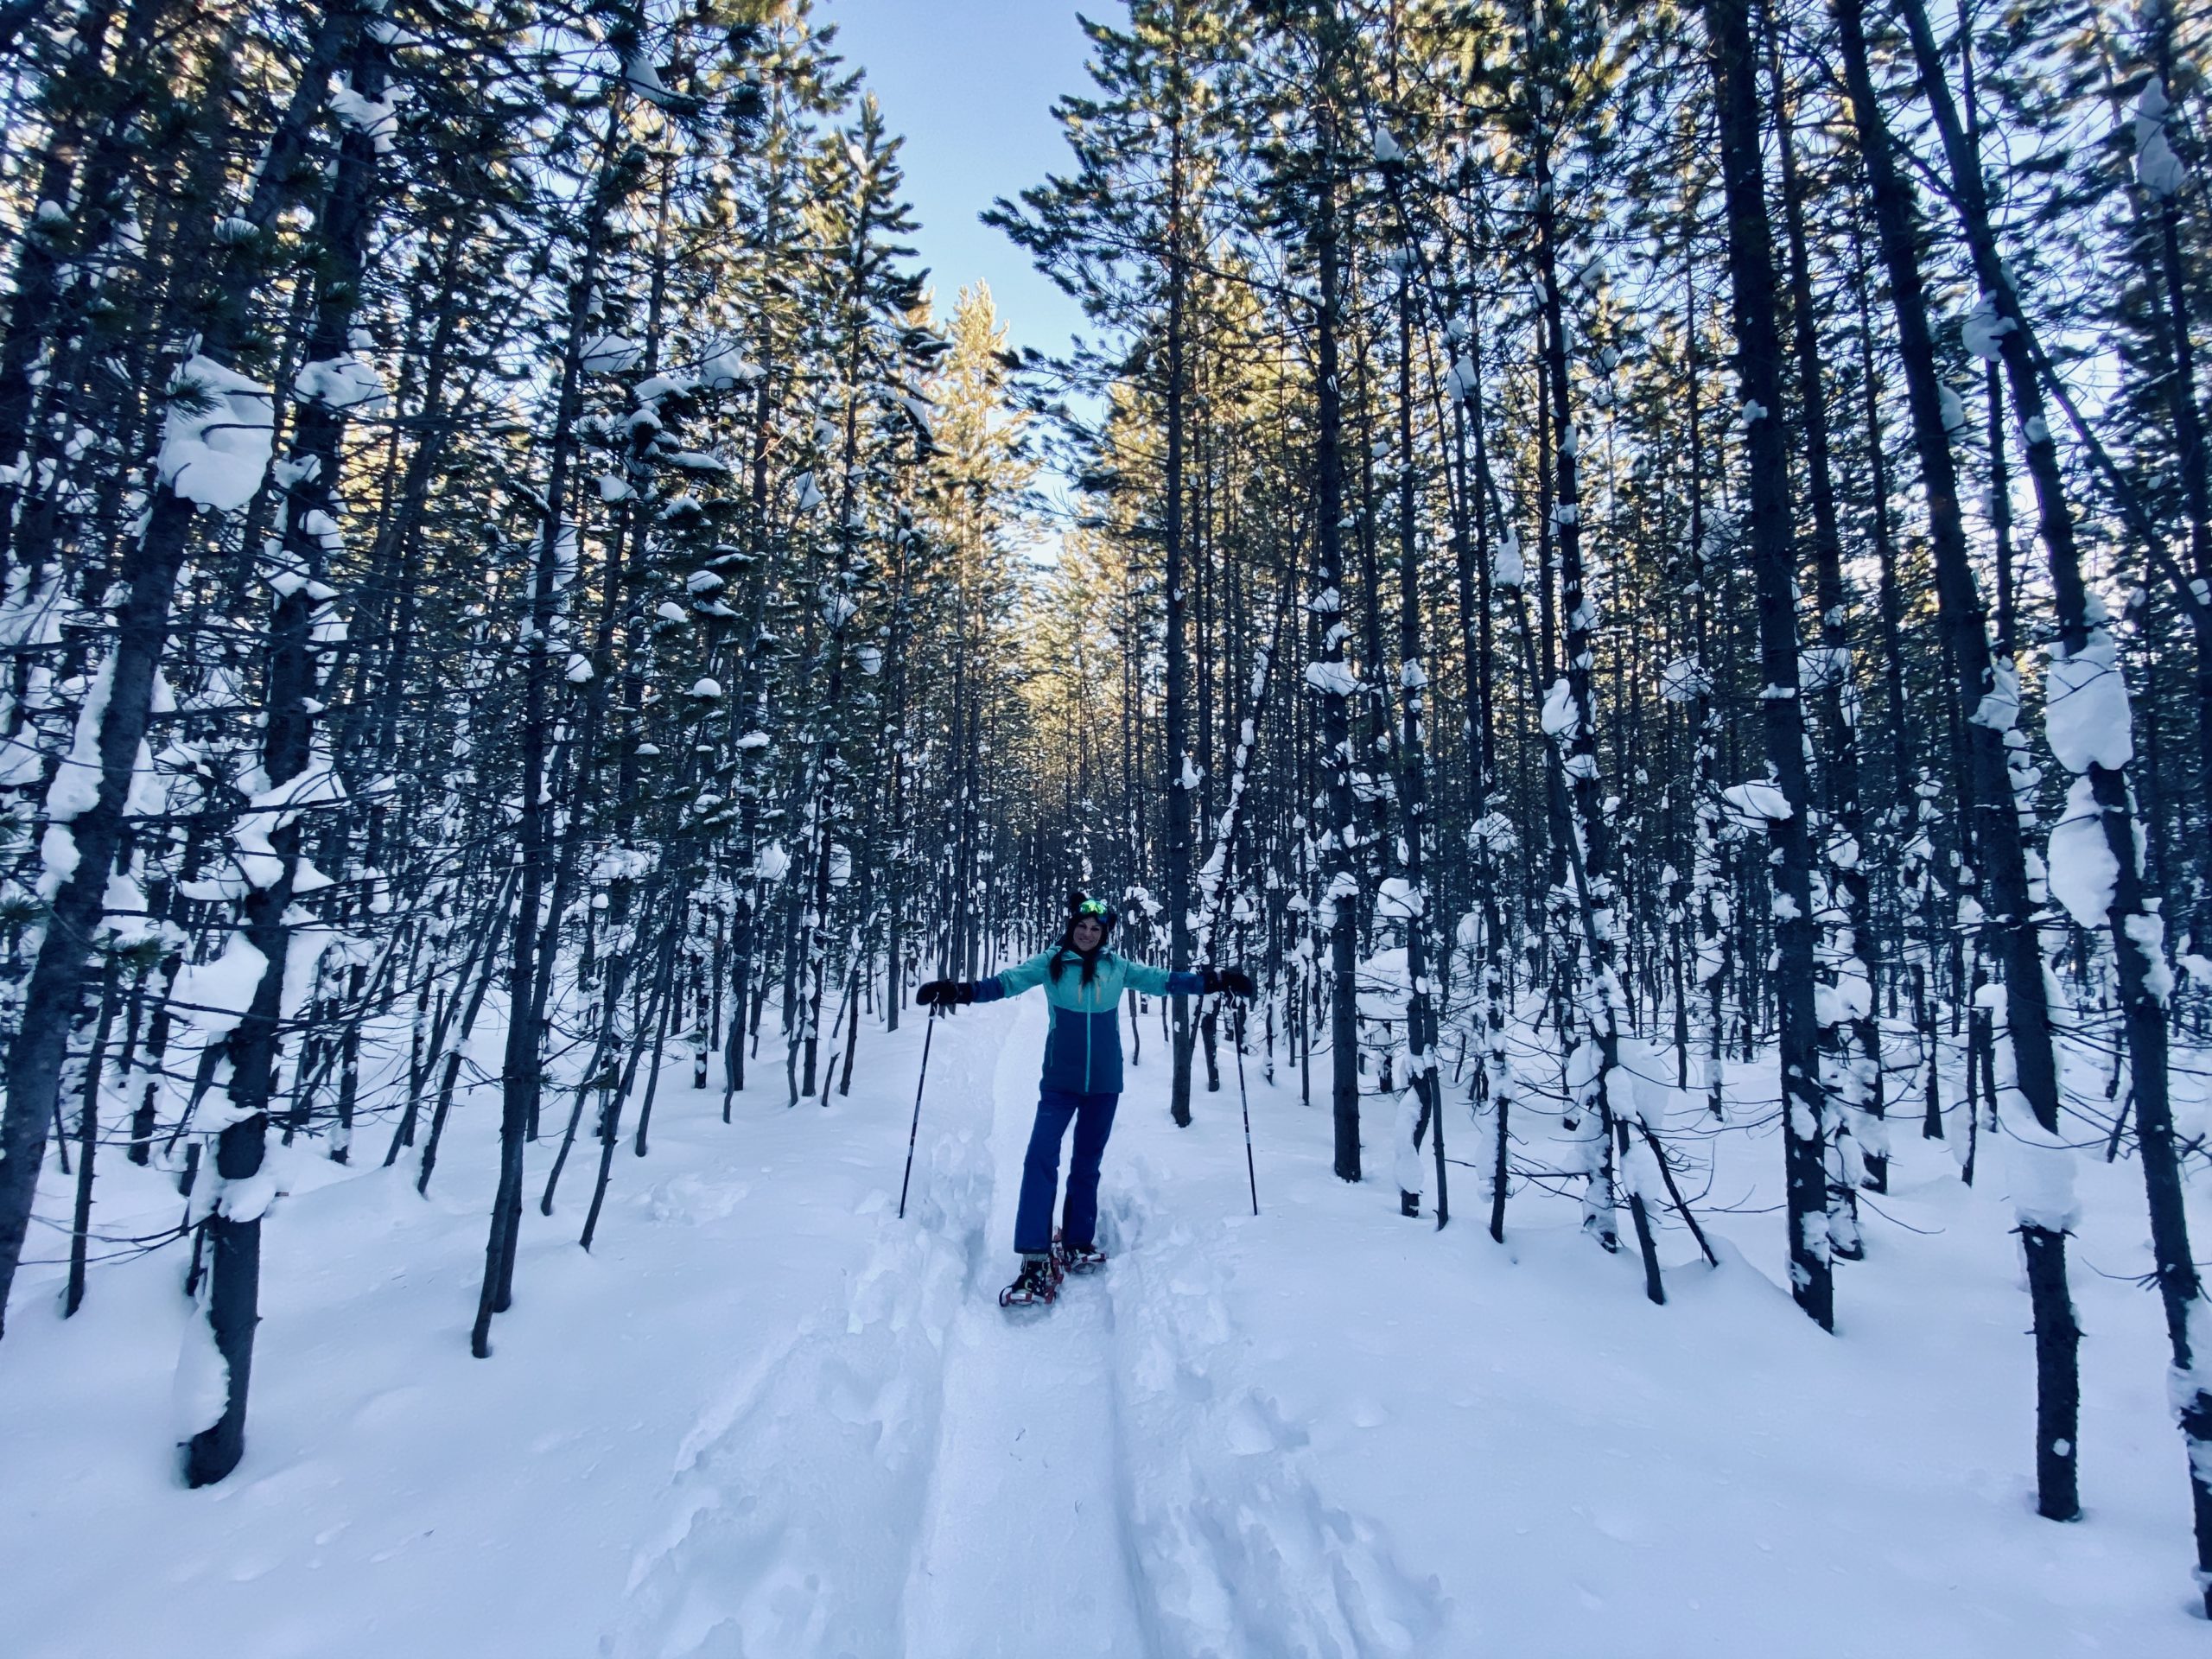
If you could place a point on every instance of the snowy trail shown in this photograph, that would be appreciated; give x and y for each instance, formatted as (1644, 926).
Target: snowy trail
(795, 1500)
(1241, 1553)
(1023, 1550)
(1110, 1479)
(919, 1476)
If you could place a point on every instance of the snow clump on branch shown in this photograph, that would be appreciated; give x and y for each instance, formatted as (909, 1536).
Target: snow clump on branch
(217, 436)
(2157, 168)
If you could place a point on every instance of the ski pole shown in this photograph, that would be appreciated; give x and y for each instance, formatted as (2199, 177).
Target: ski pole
(1243, 1100)
(929, 1030)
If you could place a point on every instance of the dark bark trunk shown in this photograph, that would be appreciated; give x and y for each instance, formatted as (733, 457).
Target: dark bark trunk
(1413, 789)
(1178, 759)
(520, 1069)
(1339, 864)
(1758, 358)
(1990, 815)
(1850, 1040)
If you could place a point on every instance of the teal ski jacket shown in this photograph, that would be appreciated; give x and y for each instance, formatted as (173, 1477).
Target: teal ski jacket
(1083, 1047)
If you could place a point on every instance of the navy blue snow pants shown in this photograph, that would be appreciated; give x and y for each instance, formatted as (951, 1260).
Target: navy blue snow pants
(1093, 1116)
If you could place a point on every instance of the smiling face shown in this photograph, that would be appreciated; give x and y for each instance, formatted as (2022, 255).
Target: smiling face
(1086, 933)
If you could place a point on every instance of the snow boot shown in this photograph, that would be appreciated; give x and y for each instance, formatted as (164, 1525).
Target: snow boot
(1037, 1285)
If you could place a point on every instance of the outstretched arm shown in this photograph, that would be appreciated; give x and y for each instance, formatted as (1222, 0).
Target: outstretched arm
(1022, 976)
(954, 992)
(1199, 981)
(1159, 981)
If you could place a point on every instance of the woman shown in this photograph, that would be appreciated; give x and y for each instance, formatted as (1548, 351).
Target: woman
(1083, 982)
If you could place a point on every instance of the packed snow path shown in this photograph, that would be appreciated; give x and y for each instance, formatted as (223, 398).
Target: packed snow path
(1025, 1547)
(1086, 1488)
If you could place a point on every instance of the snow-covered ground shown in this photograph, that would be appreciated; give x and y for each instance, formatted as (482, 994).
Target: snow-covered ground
(767, 1417)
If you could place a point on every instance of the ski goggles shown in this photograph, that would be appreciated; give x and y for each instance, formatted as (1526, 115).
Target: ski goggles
(1096, 907)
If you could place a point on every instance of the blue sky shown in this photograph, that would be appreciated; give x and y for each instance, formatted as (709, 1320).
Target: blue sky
(969, 84)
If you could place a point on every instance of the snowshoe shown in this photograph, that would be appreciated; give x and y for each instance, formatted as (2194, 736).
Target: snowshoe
(1079, 1258)
(1037, 1284)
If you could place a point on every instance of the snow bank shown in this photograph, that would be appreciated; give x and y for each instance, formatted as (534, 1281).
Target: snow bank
(765, 1417)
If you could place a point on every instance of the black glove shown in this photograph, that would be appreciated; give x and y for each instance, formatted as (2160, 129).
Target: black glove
(1235, 981)
(945, 994)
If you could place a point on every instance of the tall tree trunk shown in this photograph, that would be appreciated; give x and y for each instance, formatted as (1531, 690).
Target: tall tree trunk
(1413, 789)
(1338, 913)
(1758, 367)
(1850, 1036)
(2094, 741)
(520, 1075)
(1178, 741)
(1984, 709)
(289, 708)
(1570, 721)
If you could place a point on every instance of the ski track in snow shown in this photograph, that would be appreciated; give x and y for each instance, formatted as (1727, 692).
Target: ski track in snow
(791, 1493)
(1244, 1556)
(928, 1478)
(1024, 1550)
